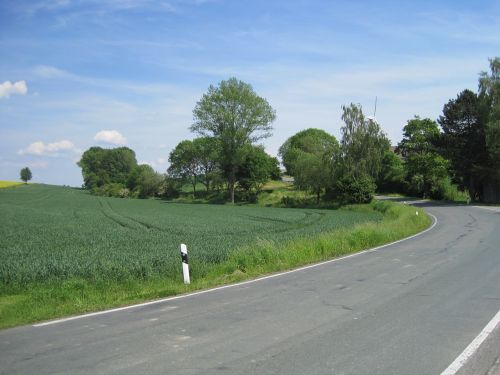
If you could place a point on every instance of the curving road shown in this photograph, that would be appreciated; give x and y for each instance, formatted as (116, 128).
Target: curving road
(409, 308)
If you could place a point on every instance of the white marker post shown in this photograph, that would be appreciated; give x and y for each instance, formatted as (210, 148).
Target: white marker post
(185, 264)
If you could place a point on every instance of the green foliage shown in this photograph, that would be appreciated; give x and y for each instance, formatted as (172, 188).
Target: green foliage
(309, 157)
(349, 189)
(446, 190)
(184, 163)
(26, 174)
(144, 182)
(489, 91)
(312, 172)
(171, 187)
(424, 166)
(68, 233)
(363, 143)
(235, 116)
(463, 140)
(392, 174)
(256, 169)
(103, 166)
(310, 141)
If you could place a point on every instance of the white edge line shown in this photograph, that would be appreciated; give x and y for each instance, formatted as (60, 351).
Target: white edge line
(469, 351)
(236, 284)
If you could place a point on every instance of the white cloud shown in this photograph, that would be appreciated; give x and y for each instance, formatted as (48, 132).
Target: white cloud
(45, 71)
(49, 149)
(110, 136)
(8, 88)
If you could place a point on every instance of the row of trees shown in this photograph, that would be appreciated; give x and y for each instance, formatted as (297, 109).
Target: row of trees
(231, 118)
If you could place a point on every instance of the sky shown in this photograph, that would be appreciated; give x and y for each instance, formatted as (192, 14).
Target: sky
(109, 73)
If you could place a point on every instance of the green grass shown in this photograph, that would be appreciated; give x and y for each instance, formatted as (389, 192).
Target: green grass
(64, 251)
(6, 184)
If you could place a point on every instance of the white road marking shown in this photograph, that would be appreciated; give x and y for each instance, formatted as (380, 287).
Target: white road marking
(236, 284)
(473, 346)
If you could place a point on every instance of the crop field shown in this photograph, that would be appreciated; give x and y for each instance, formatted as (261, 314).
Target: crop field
(6, 184)
(56, 233)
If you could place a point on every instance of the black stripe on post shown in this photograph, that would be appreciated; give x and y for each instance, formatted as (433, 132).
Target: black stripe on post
(184, 257)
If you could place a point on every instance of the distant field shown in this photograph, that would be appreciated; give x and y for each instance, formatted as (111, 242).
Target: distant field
(5, 184)
(57, 233)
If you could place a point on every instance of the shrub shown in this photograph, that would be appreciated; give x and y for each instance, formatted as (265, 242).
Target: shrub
(446, 190)
(349, 189)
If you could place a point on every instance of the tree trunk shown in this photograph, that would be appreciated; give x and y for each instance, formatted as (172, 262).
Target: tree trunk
(232, 183)
(231, 191)
(317, 196)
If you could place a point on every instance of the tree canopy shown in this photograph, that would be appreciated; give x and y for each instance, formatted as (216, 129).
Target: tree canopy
(310, 141)
(424, 166)
(236, 116)
(26, 174)
(363, 143)
(103, 166)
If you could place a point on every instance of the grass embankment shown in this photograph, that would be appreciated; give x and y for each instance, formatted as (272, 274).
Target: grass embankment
(6, 184)
(41, 301)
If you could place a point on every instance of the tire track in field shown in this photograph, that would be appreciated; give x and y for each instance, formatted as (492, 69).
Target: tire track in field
(142, 224)
(115, 217)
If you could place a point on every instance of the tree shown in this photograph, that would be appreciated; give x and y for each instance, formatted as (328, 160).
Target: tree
(309, 156)
(312, 172)
(196, 161)
(363, 143)
(489, 93)
(235, 116)
(144, 181)
(257, 169)
(392, 174)
(207, 151)
(184, 163)
(26, 174)
(463, 141)
(312, 141)
(103, 166)
(425, 167)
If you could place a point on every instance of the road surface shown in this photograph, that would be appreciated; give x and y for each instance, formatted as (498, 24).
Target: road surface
(409, 308)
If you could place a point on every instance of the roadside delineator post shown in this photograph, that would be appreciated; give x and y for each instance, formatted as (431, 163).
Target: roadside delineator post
(185, 264)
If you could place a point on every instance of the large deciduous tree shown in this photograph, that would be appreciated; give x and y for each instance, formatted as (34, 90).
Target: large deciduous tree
(425, 167)
(236, 116)
(103, 166)
(489, 93)
(309, 156)
(196, 161)
(363, 143)
(311, 141)
(257, 168)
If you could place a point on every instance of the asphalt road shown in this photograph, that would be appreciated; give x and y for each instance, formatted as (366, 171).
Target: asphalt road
(410, 308)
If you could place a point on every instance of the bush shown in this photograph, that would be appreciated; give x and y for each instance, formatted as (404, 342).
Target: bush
(171, 188)
(444, 189)
(110, 190)
(351, 190)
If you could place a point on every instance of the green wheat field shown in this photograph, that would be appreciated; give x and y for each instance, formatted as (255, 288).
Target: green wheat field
(50, 233)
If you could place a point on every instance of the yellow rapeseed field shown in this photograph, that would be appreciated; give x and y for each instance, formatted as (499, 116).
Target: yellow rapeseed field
(4, 184)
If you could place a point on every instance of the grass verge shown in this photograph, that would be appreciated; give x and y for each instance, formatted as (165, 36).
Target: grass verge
(50, 300)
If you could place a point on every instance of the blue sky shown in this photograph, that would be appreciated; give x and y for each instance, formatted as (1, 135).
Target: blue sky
(77, 73)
